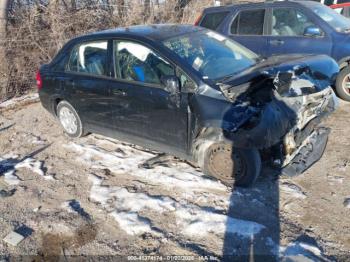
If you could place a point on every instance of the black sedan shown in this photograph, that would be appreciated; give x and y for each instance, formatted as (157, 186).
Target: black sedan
(196, 94)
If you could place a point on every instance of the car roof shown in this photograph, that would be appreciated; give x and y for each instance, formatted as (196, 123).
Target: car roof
(156, 32)
(262, 4)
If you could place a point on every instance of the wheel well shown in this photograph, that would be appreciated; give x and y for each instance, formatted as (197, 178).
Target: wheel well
(56, 102)
(344, 64)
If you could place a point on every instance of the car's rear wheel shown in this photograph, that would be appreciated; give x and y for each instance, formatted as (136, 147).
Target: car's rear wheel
(343, 84)
(69, 119)
(232, 166)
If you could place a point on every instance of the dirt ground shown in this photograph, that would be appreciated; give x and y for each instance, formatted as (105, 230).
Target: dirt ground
(92, 197)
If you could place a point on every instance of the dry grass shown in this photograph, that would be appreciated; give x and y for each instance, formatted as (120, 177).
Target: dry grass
(35, 32)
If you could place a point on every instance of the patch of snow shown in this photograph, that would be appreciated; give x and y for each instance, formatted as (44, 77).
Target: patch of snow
(338, 179)
(302, 250)
(193, 220)
(131, 222)
(11, 179)
(34, 165)
(12, 165)
(13, 101)
(128, 159)
(65, 206)
(292, 190)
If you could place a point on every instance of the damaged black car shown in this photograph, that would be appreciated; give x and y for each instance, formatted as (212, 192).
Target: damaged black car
(195, 94)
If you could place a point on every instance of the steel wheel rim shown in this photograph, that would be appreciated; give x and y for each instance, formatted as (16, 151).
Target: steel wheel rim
(346, 84)
(226, 166)
(68, 120)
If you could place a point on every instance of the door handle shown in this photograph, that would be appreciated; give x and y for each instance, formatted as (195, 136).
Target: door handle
(277, 42)
(119, 92)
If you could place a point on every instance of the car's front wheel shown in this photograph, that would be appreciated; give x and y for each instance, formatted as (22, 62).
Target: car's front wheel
(232, 166)
(343, 84)
(69, 119)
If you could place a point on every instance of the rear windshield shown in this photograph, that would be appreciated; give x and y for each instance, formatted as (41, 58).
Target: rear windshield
(213, 20)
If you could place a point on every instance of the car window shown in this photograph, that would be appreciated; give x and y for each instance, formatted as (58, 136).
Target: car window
(250, 22)
(213, 20)
(136, 62)
(185, 81)
(90, 58)
(336, 21)
(339, 10)
(212, 55)
(289, 22)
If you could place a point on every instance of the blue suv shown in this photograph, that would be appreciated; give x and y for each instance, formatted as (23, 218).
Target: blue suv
(286, 27)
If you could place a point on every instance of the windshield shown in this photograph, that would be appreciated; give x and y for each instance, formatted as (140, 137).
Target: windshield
(212, 55)
(337, 21)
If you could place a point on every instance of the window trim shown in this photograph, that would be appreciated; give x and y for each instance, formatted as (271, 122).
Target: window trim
(252, 9)
(106, 66)
(269, 33)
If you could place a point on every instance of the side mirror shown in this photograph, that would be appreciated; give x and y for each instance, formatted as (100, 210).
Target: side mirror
(312, 31)
(171, 83)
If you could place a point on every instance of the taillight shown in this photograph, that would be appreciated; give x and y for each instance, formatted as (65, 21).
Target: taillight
(39, 81)
(199, 18)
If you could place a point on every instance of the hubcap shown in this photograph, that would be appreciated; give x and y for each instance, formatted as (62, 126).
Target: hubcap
(68, 120)
(224, 164)
(346, 84)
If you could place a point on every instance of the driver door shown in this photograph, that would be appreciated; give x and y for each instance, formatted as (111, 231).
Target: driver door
(142, 109)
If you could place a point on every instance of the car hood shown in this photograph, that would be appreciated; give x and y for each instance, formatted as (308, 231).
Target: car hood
(290, 75)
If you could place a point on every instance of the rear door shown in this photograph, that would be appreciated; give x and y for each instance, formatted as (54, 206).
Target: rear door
(142, 108)
(248, 28)
(86, 84)
(287, 27)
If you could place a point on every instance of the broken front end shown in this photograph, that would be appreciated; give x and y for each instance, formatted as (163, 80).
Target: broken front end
(283, 108)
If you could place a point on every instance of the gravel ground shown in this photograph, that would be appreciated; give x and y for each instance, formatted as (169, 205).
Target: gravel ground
(91, 197)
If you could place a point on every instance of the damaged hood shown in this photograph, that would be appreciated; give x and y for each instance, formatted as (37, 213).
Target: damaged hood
(290, 75)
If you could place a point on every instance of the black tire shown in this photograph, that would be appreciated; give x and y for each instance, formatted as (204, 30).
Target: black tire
(241, 166)
(342, 92)
(79, 130)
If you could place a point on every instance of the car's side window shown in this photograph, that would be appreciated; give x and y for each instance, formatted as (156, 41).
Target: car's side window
(89, 58)
(289, 22)
(186, 82)
(213, 20)
(136, 62)
(249, 22)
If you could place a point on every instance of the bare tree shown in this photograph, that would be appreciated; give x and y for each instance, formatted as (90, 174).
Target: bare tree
(37, 29)
(179, 8)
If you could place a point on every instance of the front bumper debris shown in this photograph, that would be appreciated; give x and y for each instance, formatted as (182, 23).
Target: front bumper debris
(309, 152)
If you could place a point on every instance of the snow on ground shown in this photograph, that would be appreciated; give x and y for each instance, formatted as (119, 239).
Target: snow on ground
(135, 211)
(14, 101)
(10, 164)
(301, 251)
(193, 221)
(128, 160)
(292, 190)
(128, 207)
(174, 204)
